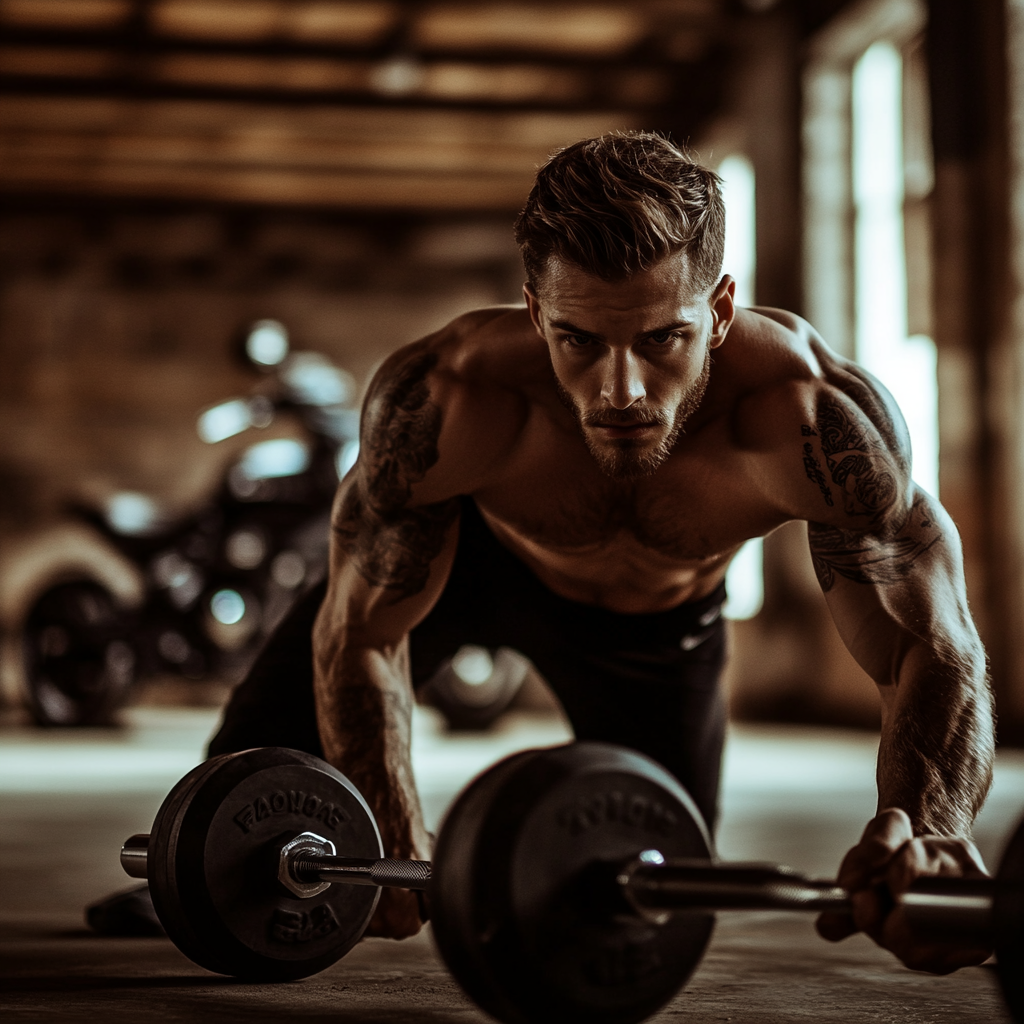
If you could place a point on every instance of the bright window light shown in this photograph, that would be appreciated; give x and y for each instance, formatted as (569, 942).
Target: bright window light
(906, 366)
(737, 174)
(745, 578)
(744, 581)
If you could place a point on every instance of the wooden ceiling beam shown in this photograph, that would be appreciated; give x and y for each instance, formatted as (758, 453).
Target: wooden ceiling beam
(144, 46)
(247, 154)
(633, 98)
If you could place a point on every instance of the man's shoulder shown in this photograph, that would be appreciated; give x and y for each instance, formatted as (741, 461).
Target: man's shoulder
(789, 374)
(777, 345)
(470, 383)
(771, 359)
(829, 437)
(496, 345)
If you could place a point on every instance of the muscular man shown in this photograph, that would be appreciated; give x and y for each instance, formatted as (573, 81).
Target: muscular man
(572, 477)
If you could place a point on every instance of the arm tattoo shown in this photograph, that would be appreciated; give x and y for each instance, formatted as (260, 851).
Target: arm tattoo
(856, 463)
(858, 386)
(391, 544)
(882, 547)
(812, 467)
(869, 557)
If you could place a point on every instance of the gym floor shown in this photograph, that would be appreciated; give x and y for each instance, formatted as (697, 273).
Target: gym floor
(791, 795)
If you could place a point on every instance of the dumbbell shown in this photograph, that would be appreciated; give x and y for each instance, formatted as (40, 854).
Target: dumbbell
(569, 884)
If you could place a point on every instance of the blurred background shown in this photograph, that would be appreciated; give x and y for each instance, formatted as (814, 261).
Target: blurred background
(217, 217)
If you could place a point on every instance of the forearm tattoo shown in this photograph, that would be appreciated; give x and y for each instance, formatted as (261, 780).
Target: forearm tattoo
(860, 474)
(391, 544)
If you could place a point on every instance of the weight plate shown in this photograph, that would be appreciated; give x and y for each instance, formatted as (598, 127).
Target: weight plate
(1008, 913)
(213, 864)
(522, 862)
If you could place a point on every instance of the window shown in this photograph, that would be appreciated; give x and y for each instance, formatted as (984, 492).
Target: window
(745, 578)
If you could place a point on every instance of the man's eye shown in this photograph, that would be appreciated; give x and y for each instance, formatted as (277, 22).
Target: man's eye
(577, 340)
(666, 338)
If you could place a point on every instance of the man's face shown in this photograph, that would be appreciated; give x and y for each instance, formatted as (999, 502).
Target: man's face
(631, 358)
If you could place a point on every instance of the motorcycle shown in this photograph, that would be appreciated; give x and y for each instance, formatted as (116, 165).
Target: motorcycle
(209, 588)
(213, 585)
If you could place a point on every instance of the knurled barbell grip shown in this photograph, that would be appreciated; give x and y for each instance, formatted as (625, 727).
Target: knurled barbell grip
(399, 874)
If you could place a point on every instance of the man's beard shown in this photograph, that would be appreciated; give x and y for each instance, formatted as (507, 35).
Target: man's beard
(629, 458)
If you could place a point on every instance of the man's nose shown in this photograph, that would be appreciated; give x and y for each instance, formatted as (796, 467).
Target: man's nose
(623, 385)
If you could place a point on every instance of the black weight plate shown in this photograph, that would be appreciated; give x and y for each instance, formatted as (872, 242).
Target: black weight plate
(511, 915)
(1008, 912)
(213, 865)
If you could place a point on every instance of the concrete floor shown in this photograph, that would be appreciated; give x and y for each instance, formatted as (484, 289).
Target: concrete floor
(796, 796)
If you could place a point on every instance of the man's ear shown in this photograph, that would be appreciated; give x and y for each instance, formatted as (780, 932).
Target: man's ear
(723, 310)
(533, 305)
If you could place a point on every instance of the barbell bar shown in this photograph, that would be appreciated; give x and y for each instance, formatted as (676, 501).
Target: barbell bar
(653, 886)
(570, 884)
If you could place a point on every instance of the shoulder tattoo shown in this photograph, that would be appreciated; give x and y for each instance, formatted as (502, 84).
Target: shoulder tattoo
(391, 544)
(860, 475)
(859, 469)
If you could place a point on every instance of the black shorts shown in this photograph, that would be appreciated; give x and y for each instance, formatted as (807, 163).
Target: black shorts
(650, 682)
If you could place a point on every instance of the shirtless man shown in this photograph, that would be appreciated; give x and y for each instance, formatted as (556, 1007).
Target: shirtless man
(572, 478)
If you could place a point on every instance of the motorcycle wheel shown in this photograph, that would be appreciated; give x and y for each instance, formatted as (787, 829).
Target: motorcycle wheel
(474, 701)
(78, 665)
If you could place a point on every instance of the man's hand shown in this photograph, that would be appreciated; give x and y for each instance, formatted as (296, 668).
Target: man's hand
(884, 864)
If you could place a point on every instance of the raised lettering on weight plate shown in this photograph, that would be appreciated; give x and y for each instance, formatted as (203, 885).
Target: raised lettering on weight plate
(293, 802)
(296, 926)
(614, 806)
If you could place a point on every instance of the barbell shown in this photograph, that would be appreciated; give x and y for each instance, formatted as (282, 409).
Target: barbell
(569, 884)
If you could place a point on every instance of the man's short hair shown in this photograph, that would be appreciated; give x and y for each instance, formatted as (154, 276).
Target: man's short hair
(620, 203)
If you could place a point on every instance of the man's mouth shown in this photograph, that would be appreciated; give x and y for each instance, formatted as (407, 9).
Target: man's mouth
(638, 428)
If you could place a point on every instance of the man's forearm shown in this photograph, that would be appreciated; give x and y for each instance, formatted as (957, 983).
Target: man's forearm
(937, 747)
(364, 713)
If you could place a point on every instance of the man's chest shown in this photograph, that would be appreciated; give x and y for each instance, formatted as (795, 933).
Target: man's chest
(702, 502)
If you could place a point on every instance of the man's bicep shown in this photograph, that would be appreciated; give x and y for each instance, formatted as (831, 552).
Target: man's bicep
(393, 550)
(383, 583)
(390, 538)
(884, 553)
(390, 554)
